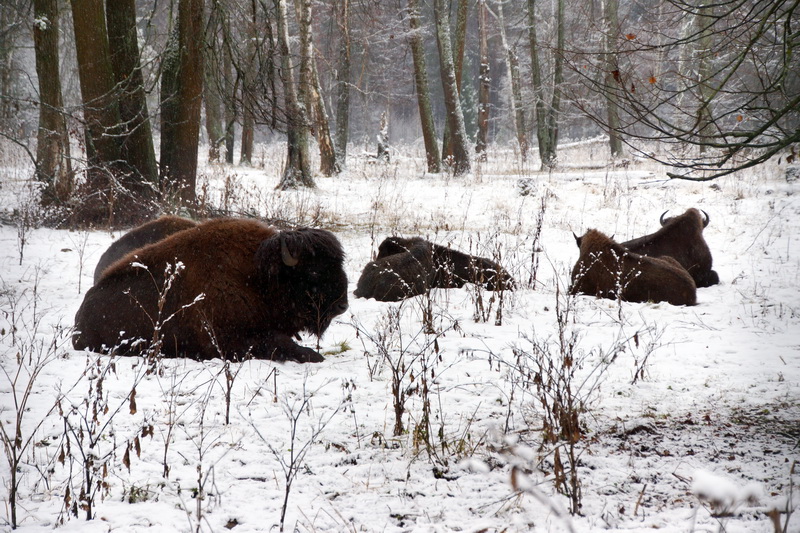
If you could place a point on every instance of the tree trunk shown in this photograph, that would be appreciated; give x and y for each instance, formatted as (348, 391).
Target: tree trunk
(458, 60)
(311, 91)
(179, 171)
(248, 126)
(213, 105)
(517, 106)
(485, 81)
(53, 165)
(137, 138)
(452, 101)
(168, 102)
(10, 19)
(107, 200)
(342, 94)
(703, 22)
(423, 92)
(231, 86)
(547, 116)
(248, 89)
(611, 8)
(211, 90)
(296, 172)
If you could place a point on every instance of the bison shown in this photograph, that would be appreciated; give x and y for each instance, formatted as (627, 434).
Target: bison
(407, 267)
(143, 235)
(243, 289)
(607, 269)
(681, 238)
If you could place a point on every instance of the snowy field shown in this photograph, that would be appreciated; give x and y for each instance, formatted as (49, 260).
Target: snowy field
(689, 417)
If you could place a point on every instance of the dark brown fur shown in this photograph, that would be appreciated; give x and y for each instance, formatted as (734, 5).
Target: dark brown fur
(681, 237)
(148, 233)
(260, 288)
(606, 269)
(407, 267)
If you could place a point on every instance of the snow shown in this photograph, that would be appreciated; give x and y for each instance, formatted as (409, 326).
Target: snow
(685, 410)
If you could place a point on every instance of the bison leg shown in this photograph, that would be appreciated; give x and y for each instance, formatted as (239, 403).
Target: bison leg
(278, 347)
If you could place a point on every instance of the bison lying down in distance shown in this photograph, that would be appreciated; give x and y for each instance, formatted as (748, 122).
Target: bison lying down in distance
(607, 269)
(681, 238)
(410, 267)
(143, 235)
(260, 287)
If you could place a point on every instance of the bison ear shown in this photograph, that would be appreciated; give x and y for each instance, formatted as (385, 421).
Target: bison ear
(286, 256)
(275, 252)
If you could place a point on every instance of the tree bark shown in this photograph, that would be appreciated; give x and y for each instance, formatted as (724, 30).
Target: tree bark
(485, 82)
(342, 90)
(311, 91)
(248, 88)
(704, 124)
(179, 170)
(517, 106)
(547, 115)
(296, 171)
(53, 165)
(108, 199)
(611, 14)
(137, 138)
(458, 59)
(231, 86)
(452, 100)
(423, 93)
(211, 88)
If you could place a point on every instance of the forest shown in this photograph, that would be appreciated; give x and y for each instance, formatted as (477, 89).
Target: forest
(499, 130)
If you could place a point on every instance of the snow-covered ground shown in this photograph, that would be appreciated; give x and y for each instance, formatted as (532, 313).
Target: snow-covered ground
(690, 416)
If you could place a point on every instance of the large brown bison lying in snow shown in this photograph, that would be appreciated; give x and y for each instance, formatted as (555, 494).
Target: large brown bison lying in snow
(143, 235)
(407, 267)
(245, 289)
(607, 269)
(681, 238)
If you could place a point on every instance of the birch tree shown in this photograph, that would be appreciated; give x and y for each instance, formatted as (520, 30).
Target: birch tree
(461, 161)
(459, 44)
(312, 93)
(611, 17)
(296, 171)
(484, 80)
(342, 87)
(517, 105)
(546, 109)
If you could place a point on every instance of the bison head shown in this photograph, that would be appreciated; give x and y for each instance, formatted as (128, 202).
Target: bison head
(690, 213)
(305, 266)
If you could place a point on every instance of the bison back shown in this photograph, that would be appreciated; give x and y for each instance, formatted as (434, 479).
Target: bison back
(396, 277)
(138, 237)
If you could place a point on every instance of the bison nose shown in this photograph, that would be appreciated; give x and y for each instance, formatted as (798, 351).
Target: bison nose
(341, 307)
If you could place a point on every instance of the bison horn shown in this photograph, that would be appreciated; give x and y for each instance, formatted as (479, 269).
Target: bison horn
(286, 255)
(661, 219)
(707, 218)
(577, 239)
